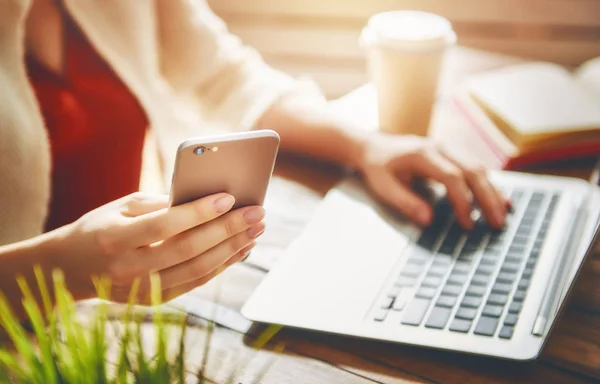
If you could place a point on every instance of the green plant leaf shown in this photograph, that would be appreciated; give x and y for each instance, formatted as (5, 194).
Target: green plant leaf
(20, 339)
(10, 364)
(179, 366)
(143, 370)
(266, 336)
(72, 366)
(162, 372)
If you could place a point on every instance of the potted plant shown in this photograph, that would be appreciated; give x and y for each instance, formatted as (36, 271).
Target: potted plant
(62, 350)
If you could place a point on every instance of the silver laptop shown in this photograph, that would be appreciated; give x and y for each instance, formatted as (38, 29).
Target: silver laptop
(360, 270)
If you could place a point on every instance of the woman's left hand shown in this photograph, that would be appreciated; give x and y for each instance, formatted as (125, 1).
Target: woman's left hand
(390, 164)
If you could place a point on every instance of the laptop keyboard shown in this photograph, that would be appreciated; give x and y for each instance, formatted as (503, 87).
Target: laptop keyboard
(472, 281)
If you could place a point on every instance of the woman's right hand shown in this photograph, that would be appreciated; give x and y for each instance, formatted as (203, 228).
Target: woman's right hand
(140, 234)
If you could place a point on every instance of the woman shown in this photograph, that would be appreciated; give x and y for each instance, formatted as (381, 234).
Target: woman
(81, 80)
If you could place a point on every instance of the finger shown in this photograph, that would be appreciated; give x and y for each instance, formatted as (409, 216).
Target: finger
(142, 203)
(490, 199)
(435, 166)
(168, 222)
(179, 290)
(236, 225)
(400, 197)
(208, 261)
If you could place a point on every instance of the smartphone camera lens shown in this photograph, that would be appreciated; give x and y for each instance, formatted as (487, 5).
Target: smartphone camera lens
(199, 150)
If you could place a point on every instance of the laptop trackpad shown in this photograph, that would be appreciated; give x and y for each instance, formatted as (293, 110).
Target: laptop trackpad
(333, 272)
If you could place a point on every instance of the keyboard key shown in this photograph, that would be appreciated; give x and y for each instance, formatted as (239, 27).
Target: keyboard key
(460, 325)
(486, 326)
(402, 299)
(446, 301)
(514, 257)
(480, 280)
(466, 313)
(511, 319)
(394, 291)
(441, 259)
(497, 299)
(538, 196)
(438, 317)
(517, 248)
(415, 311)
(506, 278)
(524, 284)
(496, 238)
(466, 257)
(438, 270)
(515, 307)
(452, 290)
(380, 315)
(412, 270)
(494, 249)
(492, 310)
(457, 279)
(530, 263)
(489, 260)
(476, 290)
(506, 332)
(485, 270)
(447, 249)
(462, 267)
(432, 281)
(426, 292)
(405, 281)
(527, 273)
(510, 267)
(420, 261)
(387, 303)
(428, 238)
(520, 240)
(471, 302)
(449, 244)
(501, 288)
(519, 295)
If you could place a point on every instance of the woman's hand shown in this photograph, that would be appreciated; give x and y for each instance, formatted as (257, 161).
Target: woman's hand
(139, 234)
(391, 164)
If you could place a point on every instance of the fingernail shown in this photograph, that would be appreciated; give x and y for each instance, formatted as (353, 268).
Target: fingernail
(246, 251)
(509, 206)
(256, 230)
(224, 203)
(254, 215)
(423, 217)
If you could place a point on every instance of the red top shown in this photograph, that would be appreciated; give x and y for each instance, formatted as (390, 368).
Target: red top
(96, 129)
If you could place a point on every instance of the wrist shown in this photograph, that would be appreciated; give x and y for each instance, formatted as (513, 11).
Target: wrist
(355, 141)
(59, 250)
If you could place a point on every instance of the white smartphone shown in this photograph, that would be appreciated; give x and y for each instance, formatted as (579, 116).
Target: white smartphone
(240, 164)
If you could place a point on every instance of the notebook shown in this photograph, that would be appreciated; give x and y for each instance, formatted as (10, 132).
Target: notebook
(535, 112)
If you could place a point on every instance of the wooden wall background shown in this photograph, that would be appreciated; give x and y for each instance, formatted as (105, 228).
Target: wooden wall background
(319, 37)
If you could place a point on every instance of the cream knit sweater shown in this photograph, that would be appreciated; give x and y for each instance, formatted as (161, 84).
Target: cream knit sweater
(191, 76)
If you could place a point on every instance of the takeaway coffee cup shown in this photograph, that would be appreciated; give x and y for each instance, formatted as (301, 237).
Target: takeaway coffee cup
(405, 50)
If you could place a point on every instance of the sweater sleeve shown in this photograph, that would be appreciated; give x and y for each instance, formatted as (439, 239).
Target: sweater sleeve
(201, 58)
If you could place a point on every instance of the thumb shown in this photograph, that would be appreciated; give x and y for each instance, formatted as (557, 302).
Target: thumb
(401, 197)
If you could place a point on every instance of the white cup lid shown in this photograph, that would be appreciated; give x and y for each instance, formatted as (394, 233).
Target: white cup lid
(408, 29)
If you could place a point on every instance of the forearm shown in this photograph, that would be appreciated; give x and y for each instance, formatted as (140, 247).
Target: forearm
(18, 259)
(310, 128)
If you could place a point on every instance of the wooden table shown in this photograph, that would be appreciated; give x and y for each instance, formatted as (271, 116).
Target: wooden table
(571, 356)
